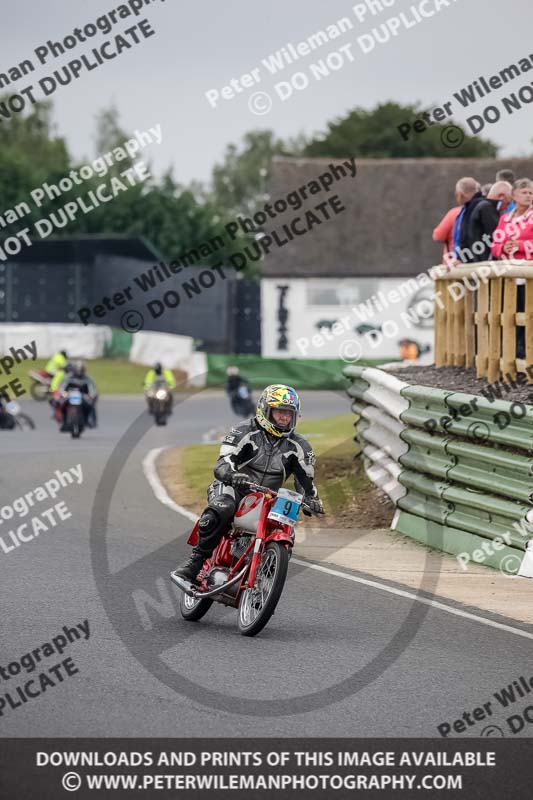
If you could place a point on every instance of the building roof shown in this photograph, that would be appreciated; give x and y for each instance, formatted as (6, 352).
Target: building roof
(392, 206)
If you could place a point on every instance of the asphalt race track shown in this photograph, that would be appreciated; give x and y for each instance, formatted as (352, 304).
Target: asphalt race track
(338, 659)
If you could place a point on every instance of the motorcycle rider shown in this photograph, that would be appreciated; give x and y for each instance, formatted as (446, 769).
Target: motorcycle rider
(235, 380)
(233, 384)
(57, 363)
(77, 378)
(263, 450)
(55, 399)
(7, 422)
(158, 373)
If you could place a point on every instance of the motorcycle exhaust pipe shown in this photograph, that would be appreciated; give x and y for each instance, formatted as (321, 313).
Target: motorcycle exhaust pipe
(187, 587)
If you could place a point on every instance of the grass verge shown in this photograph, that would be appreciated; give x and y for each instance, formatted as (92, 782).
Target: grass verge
(112, 376)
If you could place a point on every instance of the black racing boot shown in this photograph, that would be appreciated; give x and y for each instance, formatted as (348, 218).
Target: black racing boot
(210, 529)
(190, 568)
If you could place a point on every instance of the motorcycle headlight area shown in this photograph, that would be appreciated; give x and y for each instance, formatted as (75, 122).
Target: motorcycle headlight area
(161, 394)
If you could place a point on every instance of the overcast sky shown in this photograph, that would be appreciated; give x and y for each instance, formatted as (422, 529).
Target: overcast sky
(201, 45)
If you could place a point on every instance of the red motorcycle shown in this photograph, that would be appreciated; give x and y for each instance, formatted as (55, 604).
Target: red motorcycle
(248, 568)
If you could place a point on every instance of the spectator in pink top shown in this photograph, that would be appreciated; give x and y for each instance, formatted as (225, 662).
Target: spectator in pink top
(513, 238)
(444, 233)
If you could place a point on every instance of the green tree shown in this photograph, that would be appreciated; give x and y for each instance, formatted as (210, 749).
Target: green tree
(174, 218)
(170, 216)
(239, 181)
(32, 137)
(110, 134)
(375, 133)
(30, 154)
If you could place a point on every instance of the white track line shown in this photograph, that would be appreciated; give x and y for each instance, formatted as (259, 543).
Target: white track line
(161, 494)
(402, 593)
(157, 487)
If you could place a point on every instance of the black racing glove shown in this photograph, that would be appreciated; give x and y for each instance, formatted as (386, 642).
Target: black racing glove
(241, 482)
(314, 506)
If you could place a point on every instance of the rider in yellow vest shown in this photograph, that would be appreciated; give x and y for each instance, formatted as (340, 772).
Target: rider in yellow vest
(158, 373)
(57, 362)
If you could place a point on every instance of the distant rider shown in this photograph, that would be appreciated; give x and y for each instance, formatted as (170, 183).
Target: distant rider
(57, 363)
(55, 399)
(159, 373)
(7, 422)
(77, 378)
(233, 384)
(235, 380)
(263, 450)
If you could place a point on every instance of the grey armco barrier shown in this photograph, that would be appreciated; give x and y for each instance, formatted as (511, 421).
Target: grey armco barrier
(458, 467)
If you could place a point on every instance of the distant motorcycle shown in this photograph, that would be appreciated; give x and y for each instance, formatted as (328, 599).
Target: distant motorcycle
(40, 388)
(159, 399)
(74, 416)
(249, 566)
(18, 419)
(241, 401)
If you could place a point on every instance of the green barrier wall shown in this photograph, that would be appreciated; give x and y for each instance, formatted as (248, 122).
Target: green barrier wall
(120, 344)
(466, 470)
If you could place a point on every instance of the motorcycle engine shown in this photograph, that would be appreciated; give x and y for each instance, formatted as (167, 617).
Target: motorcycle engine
(239, 545)
(216, 577)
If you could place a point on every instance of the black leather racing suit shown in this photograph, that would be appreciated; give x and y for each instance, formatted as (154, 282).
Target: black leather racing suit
(268, 460)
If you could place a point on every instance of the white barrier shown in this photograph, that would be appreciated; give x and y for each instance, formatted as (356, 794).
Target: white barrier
(89, 341)
(80, 341)
(173, 351)
(383, 389)
(380, 426)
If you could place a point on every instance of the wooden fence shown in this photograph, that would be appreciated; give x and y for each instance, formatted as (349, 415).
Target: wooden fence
(476, 318)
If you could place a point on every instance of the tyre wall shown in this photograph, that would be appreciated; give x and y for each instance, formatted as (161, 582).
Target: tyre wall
(462, 482)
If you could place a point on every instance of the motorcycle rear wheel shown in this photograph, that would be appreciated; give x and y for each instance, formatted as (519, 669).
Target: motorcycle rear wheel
(257, 605)
(194, 608)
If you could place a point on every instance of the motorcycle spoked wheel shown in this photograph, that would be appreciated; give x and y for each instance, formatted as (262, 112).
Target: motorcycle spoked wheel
(194, 608)
(24, 422)
(257, 605)
(39, 391)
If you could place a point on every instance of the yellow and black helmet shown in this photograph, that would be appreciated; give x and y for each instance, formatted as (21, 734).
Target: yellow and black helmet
(284, 398)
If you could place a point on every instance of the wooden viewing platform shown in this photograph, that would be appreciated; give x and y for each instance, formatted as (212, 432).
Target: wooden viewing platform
(476, 318)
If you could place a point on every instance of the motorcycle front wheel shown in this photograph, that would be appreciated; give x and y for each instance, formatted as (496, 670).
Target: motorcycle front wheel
(39, 391)
(24, 422)
(73, 421)
(257, 604)
(194, 608)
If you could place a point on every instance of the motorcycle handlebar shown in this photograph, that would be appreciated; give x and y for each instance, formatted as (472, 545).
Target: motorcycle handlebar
(256, 487)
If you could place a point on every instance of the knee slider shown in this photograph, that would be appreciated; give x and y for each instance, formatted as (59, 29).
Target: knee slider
(208, 521)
